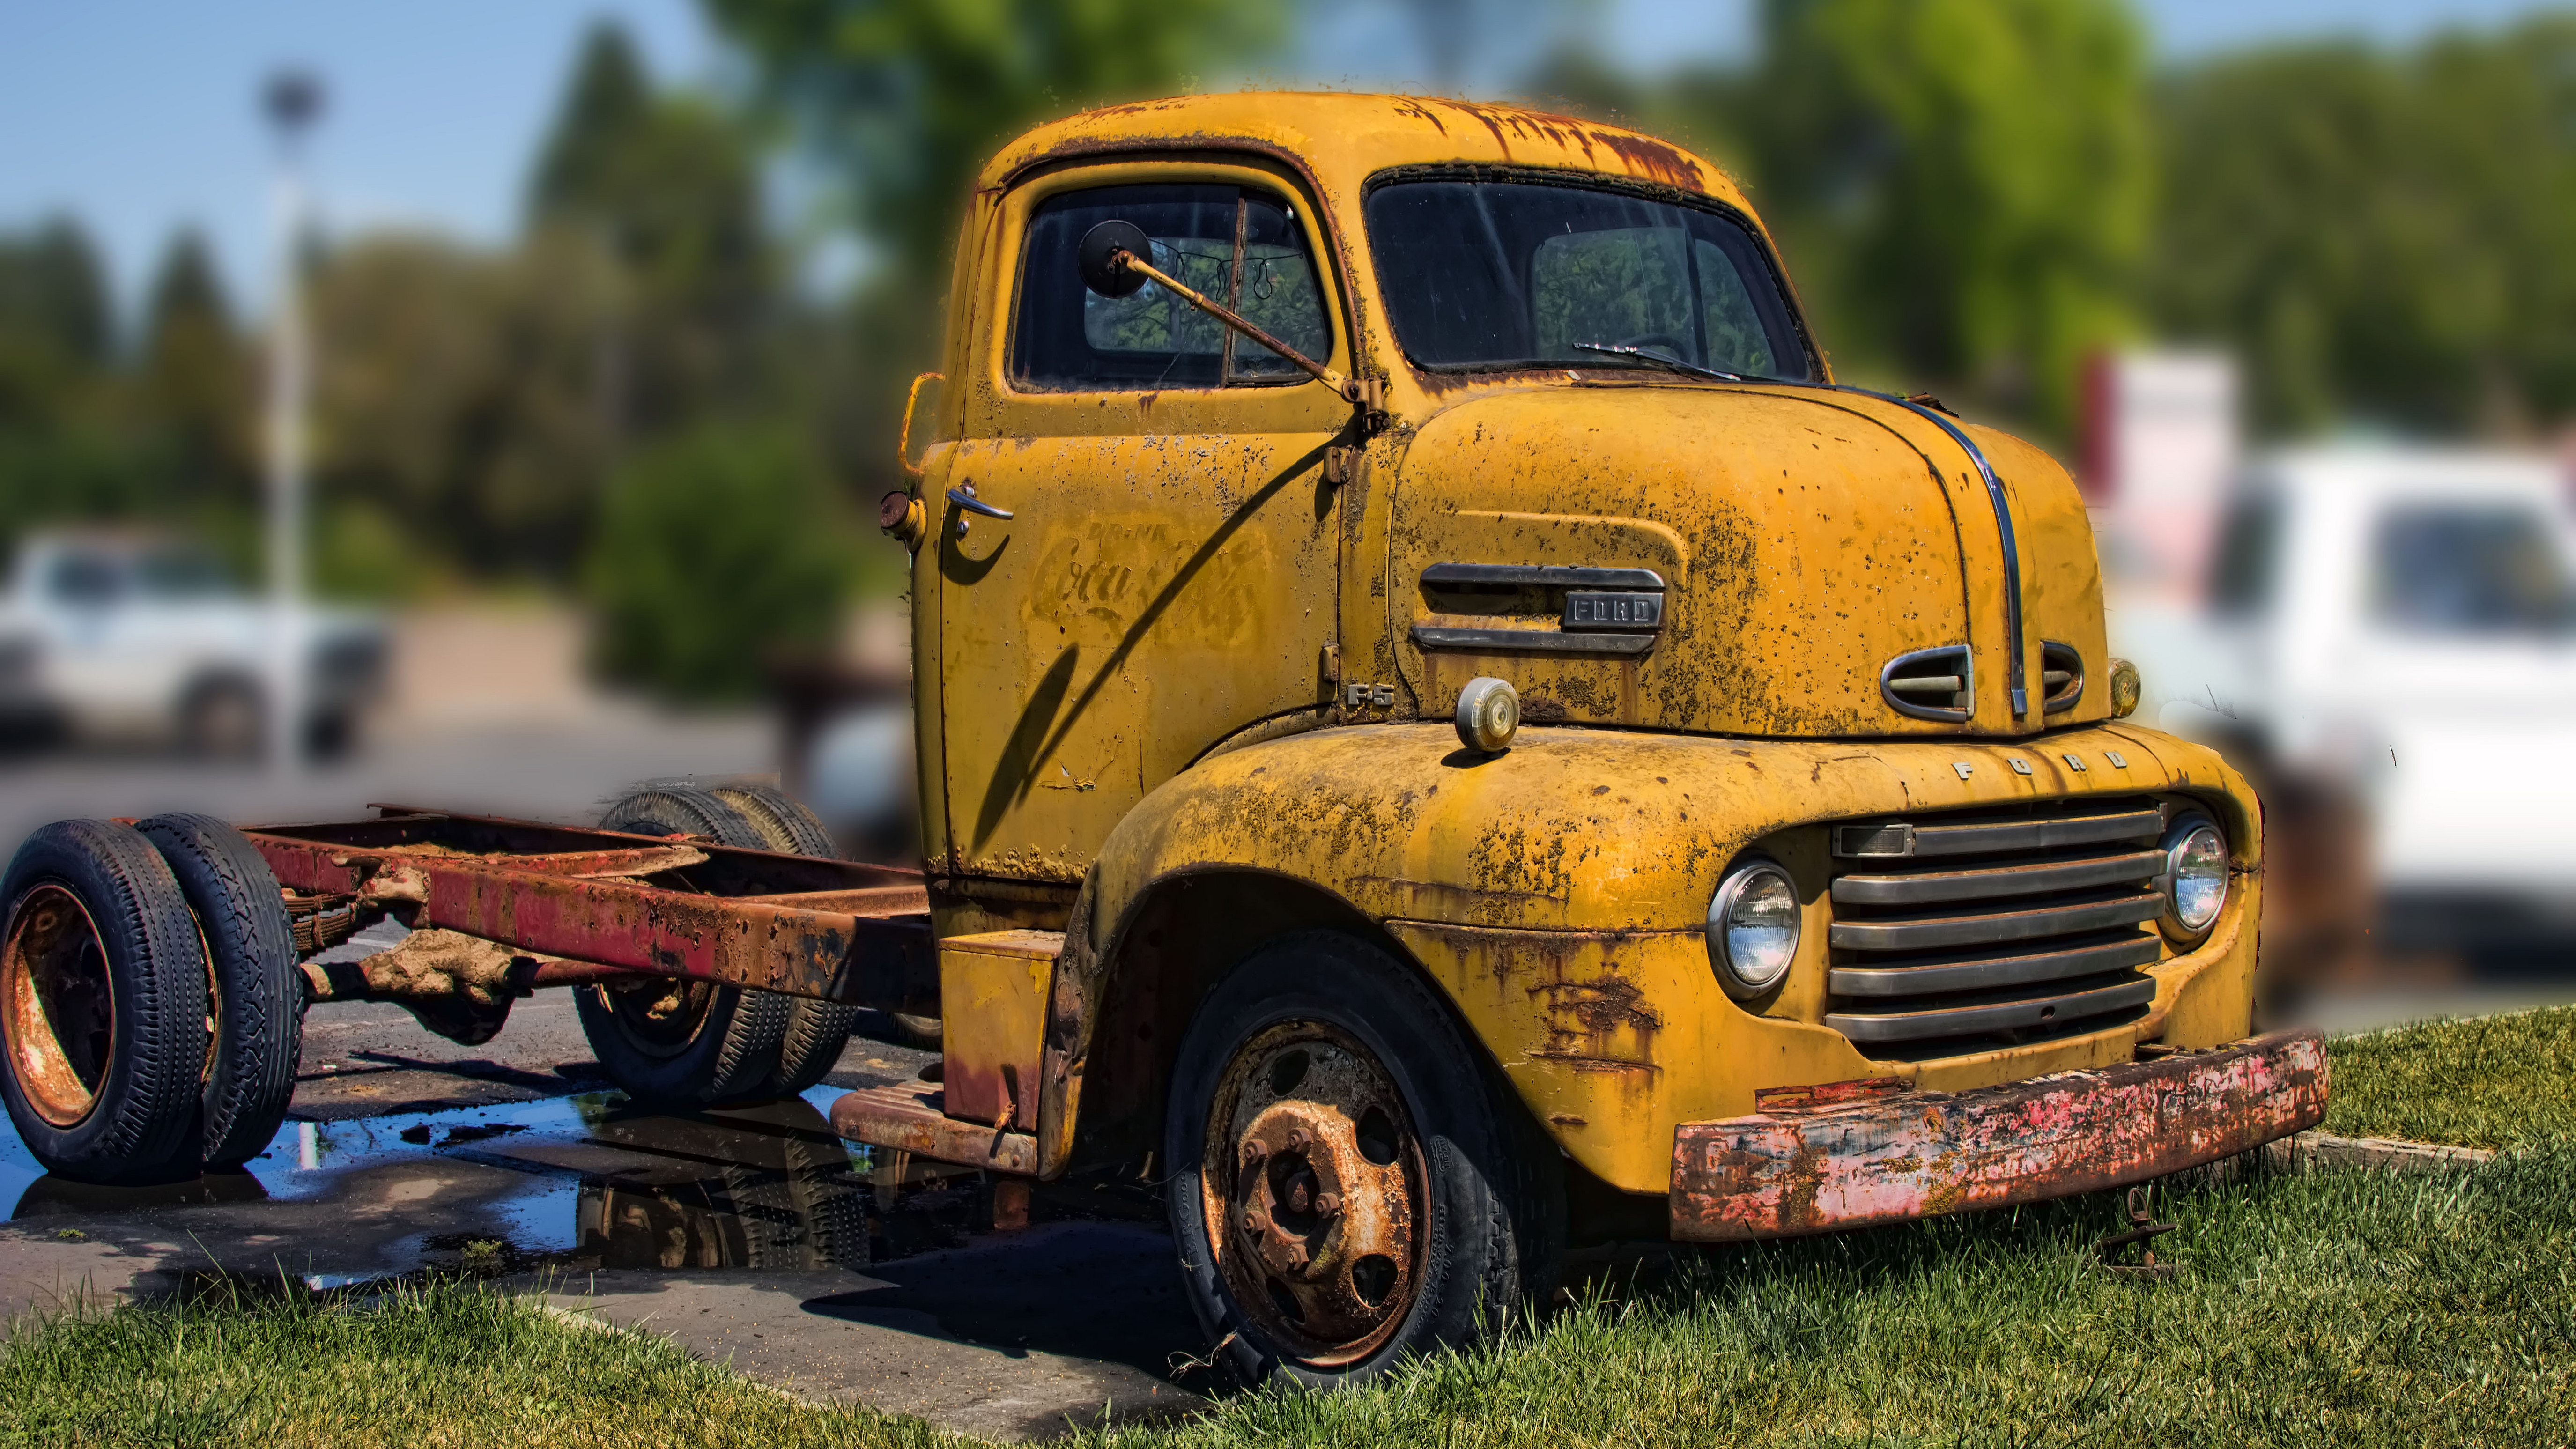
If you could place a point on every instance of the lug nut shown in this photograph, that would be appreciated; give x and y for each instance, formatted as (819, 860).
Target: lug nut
(1328, 1203)
(1252, 1220)
(1297, 1139)
(1296, 1255)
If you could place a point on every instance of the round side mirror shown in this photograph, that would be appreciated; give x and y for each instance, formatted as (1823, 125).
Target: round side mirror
(1101, 271)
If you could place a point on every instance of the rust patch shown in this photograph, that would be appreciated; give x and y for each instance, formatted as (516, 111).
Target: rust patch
(1891, 1156)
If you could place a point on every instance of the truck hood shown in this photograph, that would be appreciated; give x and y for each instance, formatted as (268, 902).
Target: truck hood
(1736, 560)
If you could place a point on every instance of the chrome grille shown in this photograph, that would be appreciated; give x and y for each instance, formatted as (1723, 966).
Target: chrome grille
(1960, 932)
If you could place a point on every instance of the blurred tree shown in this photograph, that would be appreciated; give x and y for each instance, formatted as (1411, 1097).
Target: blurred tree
(462, 396)
(56, 323)
(903, 99)
(195, 383)
(62, 450)
(668, 187)
(717, 552)
(2380, 234)
(896, 103)
(1967, 181)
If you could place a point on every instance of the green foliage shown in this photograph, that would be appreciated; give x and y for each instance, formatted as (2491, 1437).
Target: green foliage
(1968, 180)
(667, 187)
(2383, 234)
(195, 391)
(904, 99)
(717, 553)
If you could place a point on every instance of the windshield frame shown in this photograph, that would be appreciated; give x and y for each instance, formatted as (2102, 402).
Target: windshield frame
(1816, 373)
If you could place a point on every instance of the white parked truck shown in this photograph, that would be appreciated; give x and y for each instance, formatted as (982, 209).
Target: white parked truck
(142, 637)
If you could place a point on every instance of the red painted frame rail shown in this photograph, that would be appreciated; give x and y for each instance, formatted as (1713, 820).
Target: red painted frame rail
(804, 926)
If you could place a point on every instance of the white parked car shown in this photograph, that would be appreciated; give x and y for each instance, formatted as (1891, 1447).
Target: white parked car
(2401, 624)
(142, 637)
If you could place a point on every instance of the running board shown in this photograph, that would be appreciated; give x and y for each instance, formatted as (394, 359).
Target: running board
(912, 1116)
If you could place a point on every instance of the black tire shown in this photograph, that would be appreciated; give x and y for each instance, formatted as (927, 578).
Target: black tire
(816, 1030)
(694, 1044)
(258, 999)
(224, 718)
(102, 1006)
(927, 1032)
(1486, 1212)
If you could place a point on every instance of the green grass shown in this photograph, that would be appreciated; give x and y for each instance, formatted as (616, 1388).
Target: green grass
(2333, 1307)
(2493, 1082)
(448, 1364)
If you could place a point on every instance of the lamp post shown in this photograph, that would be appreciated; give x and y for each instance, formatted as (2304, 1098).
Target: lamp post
(292, 101)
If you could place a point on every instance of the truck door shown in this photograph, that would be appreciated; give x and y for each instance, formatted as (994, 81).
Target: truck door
(1166, 577)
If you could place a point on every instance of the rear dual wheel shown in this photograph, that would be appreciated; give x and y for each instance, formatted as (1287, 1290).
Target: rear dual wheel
(689, 1044)
(1352, 1184)
(148, 999)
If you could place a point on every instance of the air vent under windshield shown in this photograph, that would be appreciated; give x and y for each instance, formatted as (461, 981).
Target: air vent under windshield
(2061, 676)
(1931, 683)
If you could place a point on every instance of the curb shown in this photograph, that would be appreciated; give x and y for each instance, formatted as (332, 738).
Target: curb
(2384, 1154)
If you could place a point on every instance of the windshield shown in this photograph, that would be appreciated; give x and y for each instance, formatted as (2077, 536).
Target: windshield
(2469, 570)
(1491, 275)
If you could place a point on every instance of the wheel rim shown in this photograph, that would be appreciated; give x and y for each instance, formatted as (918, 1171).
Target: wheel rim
(57, 1005)
(1314, 1192)
(660, 1018)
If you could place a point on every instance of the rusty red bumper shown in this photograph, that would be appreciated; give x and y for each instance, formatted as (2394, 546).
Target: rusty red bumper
(1916, 1154)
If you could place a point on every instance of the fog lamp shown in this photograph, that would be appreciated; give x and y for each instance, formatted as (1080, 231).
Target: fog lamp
(2195, 877)
(1753, 927)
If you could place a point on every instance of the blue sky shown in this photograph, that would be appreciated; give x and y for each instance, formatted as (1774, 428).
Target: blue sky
(137, 116)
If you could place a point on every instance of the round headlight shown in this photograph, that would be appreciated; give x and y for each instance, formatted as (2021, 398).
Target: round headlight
(2126, 688)
(2195, 874)
(1753, 928)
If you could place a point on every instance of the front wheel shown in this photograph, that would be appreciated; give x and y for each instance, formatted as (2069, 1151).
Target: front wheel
(1352, 1185)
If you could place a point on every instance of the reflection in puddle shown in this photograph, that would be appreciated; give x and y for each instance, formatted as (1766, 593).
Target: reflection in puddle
(592, 1184)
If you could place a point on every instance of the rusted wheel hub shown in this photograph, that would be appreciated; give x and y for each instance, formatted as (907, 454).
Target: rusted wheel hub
(1314, 1192)
(57, 1008)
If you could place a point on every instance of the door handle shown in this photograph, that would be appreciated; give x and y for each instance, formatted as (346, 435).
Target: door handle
(963, 495)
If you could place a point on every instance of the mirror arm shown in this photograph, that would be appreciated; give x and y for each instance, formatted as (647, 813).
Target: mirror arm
(1362, 391)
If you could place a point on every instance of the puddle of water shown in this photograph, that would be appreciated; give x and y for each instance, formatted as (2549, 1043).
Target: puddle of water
(597, 1185)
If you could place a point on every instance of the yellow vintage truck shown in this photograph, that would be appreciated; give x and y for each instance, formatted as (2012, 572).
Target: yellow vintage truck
(1442, 729)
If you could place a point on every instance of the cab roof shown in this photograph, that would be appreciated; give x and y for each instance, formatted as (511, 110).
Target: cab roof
(1343, 138)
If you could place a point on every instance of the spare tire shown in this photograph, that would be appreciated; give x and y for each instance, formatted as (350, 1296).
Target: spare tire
(685, 1044)
(816, 1030)
(258, 999)
(102, 1006)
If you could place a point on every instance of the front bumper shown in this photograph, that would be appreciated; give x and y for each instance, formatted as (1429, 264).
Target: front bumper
(1898, 1154)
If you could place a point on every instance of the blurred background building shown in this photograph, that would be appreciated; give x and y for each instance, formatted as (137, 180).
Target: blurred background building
(611, 307)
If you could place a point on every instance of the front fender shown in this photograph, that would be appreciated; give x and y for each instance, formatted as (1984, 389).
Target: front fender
(1556, 893)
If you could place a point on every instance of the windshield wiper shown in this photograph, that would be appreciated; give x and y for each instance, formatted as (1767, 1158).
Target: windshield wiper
(1663, 360)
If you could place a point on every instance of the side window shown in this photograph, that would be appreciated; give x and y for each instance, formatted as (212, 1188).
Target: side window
(84, 581)
(1242, 248)
(2245, 568)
